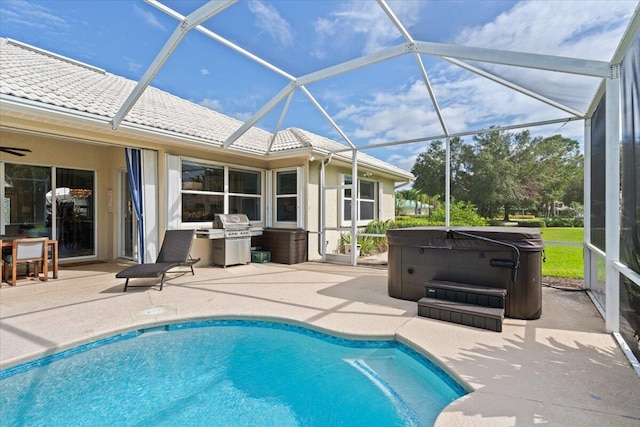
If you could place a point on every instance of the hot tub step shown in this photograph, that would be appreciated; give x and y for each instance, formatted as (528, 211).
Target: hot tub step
(466, 293)
(461, 313)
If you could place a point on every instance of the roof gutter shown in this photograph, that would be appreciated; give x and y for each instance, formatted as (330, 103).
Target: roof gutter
(102, 125)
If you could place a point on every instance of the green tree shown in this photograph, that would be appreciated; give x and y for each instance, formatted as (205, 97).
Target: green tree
(500, 171)
(399, 202)
(414, 195)
(560, 166)
(574, 193)
(496, 167)
(429, 169)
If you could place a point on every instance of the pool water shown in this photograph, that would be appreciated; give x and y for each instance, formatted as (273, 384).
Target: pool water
(228, 373)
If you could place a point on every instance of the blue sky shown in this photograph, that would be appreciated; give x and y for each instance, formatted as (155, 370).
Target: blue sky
(381, 103)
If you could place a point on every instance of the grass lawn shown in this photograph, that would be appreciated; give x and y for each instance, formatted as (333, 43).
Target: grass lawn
(563, 260)
(563, 234)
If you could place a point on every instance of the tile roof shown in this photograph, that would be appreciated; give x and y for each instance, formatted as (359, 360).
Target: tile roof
(33, 74)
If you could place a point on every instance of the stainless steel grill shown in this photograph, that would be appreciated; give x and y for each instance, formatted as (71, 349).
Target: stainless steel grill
(234, 244)
(234, 225)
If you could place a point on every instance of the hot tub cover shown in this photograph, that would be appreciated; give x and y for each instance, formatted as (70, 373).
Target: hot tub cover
(524, 238)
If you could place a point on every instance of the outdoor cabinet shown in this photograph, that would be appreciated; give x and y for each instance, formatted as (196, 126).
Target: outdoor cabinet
(287, 246)
(468, 256)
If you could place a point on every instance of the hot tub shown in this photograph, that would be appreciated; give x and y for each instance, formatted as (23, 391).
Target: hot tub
(497, 257)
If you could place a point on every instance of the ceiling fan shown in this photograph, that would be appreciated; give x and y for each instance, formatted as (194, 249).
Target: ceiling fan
(15, 151)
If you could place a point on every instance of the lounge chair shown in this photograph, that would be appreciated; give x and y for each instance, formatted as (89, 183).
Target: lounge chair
(175, 252)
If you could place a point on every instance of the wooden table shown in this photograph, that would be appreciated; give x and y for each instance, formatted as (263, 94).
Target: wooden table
(7, 242)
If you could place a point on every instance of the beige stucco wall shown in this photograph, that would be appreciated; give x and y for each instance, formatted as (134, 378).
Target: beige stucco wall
(104, 160)
(333, 204)
(102, 151)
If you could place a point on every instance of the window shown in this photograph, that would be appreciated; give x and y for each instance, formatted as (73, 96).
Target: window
(245, 193)
(367, 200)
(202, 192)
(66, 213)
(287, 196)
(206, 187)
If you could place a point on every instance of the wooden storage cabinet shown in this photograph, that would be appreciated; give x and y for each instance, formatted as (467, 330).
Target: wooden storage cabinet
(286, 246)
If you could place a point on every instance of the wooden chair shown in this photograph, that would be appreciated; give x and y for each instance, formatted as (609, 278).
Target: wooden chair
(26, 251)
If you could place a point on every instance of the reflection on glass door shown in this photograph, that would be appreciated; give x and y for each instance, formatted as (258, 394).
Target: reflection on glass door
(128, 220)
(32, 207)
(27, 200)
(75, 212)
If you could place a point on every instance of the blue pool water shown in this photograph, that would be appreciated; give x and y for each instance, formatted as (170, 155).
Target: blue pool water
(227, 373)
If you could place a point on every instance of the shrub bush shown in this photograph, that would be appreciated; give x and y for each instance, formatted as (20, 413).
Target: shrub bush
(522, 216)
(559, 222)
(462, 213)
(578, 222)
(370, 244)
(501, 223)
(535, 223)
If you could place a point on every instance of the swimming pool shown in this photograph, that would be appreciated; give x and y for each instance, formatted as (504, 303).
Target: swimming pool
(228, 373)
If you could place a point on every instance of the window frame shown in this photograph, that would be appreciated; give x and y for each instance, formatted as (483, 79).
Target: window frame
(225, 193)
(298, 196)
(346, 200)
(55, 214)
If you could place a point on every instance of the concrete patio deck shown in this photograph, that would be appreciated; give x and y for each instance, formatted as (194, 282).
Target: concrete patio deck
(562, 369)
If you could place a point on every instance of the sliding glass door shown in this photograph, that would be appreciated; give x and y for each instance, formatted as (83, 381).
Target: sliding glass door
(27, 200)
(54, 202)
(75, 212)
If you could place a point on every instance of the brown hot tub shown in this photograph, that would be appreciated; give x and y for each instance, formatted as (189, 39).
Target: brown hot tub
(498, 257)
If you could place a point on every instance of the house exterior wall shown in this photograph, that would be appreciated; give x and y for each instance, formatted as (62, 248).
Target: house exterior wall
(105, 161)
(334, 173)
(108, 161)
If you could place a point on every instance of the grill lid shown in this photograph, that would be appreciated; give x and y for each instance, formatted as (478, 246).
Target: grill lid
(231, 221)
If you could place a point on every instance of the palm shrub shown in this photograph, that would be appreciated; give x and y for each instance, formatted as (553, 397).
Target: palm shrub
(369, 244)
(376, 244)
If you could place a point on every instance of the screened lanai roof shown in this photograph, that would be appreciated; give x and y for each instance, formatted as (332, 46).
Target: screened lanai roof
(34, 78)
(529, 78)
(369, 74)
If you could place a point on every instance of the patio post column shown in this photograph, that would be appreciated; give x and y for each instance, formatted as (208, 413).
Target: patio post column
(447, 184)
(355, 202)
(587, 255)
(612, 200)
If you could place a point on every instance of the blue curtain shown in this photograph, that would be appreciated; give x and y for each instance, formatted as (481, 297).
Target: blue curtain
(134, 172)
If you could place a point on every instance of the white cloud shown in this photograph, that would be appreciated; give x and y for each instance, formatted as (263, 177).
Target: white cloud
(204, 72)
(269, 20)
(469, 102)
(212, 104)
(32, 15)
(568, 28)
(148, 17)
(133, 65)
(365, 20)
(403, 161)
(243, 117)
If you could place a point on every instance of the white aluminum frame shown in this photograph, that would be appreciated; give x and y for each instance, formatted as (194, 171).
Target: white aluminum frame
(456, 55)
